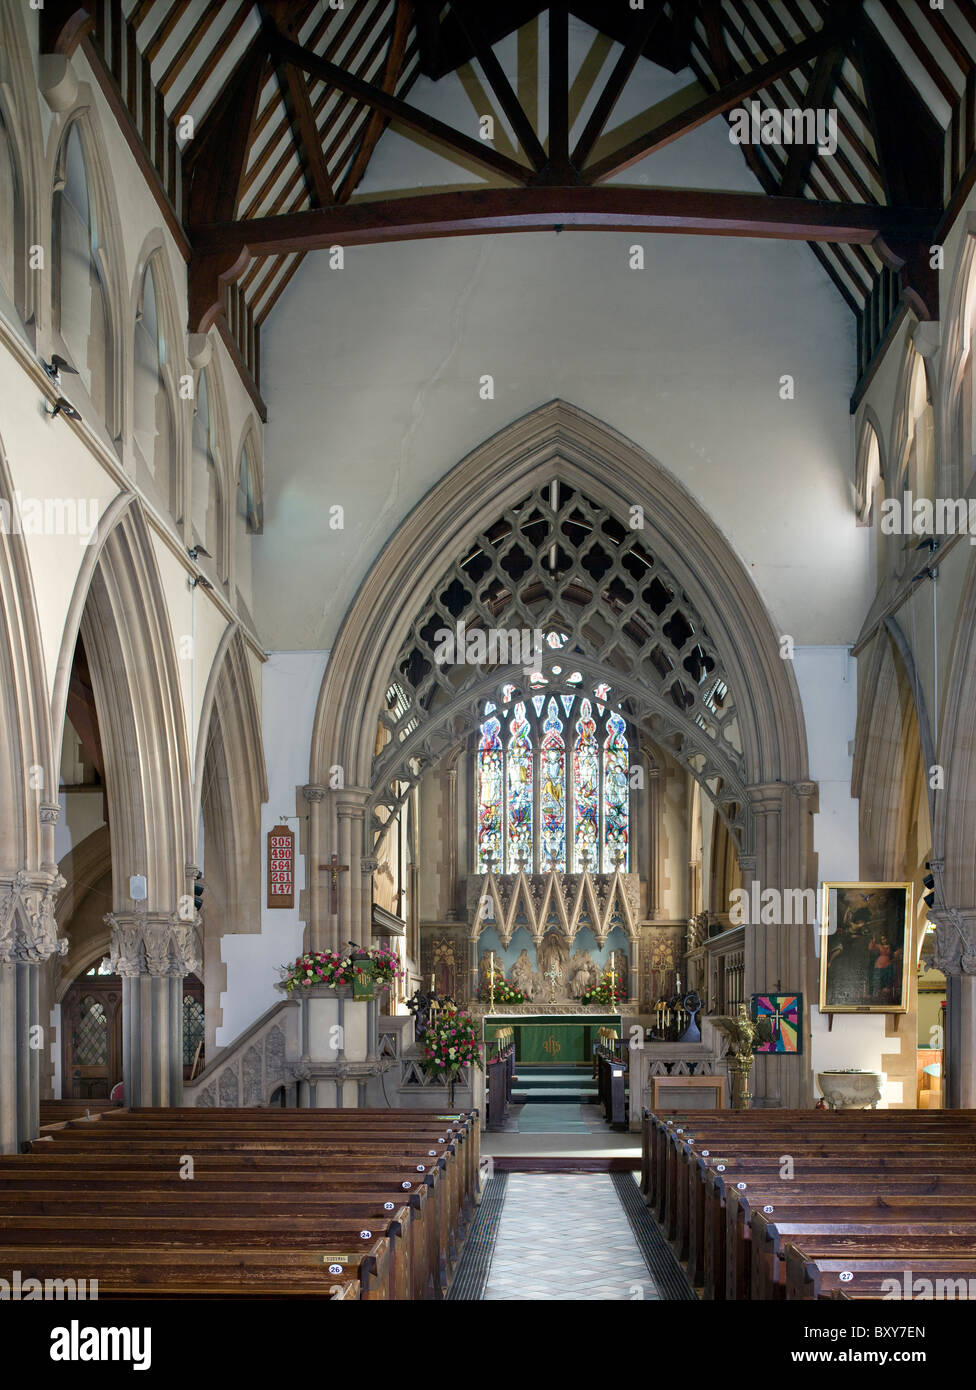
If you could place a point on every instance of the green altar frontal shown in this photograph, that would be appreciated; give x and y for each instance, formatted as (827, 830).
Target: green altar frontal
(561, 1040)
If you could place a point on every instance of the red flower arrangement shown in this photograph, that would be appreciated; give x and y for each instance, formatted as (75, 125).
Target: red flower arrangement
(450, 1043)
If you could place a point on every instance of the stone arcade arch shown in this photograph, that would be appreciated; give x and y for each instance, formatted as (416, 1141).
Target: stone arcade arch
(230, 789)
(561, 441)
(119, 610)
(953, 862)
(29, 879)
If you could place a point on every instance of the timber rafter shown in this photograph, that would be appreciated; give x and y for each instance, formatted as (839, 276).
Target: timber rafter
(312, 89)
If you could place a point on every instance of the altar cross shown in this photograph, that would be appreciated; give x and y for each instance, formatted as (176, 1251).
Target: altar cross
(334, 869)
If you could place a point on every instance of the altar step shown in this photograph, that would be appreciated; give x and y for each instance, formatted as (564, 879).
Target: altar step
(542, 1085)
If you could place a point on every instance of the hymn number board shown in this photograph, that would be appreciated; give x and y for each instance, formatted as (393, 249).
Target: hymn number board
(281, 867)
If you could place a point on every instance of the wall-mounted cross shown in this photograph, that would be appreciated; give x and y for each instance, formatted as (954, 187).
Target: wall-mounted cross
(334, 869)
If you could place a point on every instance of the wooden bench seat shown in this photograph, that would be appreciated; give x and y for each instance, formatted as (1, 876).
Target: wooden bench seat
(731, 1204)
(389, 1199)
(856, 1278)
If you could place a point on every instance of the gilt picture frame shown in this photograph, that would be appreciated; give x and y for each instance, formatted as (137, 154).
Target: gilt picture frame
(865, 947)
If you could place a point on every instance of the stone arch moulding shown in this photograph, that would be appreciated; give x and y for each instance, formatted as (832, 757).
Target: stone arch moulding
(119, 605)
(954, 814)
(19, 104)
(154, 253)
(109, 257)
(28, 765)
(558, 440)
(868, 428)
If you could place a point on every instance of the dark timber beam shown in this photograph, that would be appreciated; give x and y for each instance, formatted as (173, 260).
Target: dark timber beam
(410, 116)
(499, 83)
(63, 25)
(908, 138)
(615, 208)
(716, 104)
(377, 121)
(643, 26)
(558, 86)
(220, 159)
(305, 133)
(818, 97)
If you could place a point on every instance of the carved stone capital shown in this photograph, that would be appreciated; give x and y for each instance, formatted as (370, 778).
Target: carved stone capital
(955, 940)
(156, 944)
(314, 793)
(804, 788)
(28, 927)
(49, 812)
(369, 866)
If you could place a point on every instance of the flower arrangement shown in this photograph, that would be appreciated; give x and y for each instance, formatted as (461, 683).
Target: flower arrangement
(606, 992)
(504, 993)
(450, 1043)
(332, 969)
(386, 965)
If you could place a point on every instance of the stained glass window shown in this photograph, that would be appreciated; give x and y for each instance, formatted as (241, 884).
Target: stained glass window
(490, 794)
(586, 790)
(616, 799)
(519, 792)
(552, 796)
(553, 782)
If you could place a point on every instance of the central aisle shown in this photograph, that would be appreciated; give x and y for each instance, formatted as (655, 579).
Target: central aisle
(566, 1236)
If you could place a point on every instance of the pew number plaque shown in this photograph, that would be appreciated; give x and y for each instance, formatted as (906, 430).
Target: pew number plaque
(281, 867)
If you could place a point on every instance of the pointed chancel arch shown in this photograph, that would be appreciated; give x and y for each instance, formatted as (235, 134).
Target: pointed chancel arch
(646, 594)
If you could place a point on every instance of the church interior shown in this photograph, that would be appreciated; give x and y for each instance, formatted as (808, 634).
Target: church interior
(487, 650)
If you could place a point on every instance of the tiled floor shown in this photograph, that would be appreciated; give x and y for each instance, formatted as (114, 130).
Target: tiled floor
(566, 1236)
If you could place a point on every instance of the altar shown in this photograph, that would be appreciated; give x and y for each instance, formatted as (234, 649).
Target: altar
(554, 1039)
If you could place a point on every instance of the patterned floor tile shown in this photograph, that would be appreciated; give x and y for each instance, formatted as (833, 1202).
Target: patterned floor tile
(566, 1237)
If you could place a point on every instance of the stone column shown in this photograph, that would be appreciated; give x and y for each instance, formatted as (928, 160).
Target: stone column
(778, 955)
(153, 952)
(315, 932)
(652, 774)
(633, 972)
(347, 925)
(473, 967)
(368, 869)
(955, 956)
(451, 857)
(28, 938)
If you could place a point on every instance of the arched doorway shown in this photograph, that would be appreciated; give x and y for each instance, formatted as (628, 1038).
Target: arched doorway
(91, 1030)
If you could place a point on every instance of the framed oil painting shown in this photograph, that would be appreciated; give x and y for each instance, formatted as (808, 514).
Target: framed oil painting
(865, 940)
(784, 1013)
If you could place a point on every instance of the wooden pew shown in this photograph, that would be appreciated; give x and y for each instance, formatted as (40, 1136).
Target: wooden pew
(334, 1181)
(709, 1174)
(869, 1277)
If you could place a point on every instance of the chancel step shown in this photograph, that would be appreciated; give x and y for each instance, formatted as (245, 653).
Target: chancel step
(542, 1085)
